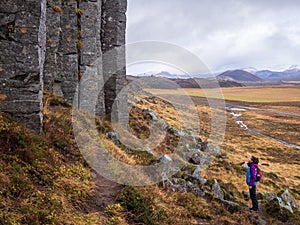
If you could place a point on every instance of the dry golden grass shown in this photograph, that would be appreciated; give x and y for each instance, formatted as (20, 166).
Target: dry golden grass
(169, 114)
(292, 108)
(283, 93)
(180, 209)
(116, 152)
(72, 180)
(284, 127)
(239, 144)
(43, 178)
(275, 158)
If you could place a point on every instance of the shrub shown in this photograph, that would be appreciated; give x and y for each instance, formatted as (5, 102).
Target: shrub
(142, 208)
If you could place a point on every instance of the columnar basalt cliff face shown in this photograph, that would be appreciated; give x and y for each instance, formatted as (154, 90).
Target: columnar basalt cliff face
(22, 45)
(112, 36)
(79, 34)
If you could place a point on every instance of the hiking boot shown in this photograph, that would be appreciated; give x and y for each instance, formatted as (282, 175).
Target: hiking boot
(252, 209)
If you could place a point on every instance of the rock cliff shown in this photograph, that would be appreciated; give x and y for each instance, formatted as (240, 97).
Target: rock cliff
(50, 44)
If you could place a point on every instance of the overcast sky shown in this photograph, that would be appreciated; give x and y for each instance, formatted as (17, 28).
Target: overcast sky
(224, 34)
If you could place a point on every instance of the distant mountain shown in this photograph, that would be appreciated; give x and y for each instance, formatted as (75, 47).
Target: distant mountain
(152, 82)
(265, 74)
(239, 76)
(291, 74)
(167, 74)
(247, 76)
(174, 83)
(252, 70)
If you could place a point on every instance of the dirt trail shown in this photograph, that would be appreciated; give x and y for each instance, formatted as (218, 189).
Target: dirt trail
(104, 194)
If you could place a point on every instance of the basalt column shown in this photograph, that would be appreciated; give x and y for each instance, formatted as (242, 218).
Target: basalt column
(91, 92)
(22, 47)
(62, 55)
(114, 71)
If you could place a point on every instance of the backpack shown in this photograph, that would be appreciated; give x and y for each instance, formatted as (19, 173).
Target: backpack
(259, 175)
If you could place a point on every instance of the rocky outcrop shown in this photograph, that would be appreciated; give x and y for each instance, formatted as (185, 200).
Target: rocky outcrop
(82, 38)
(280, 202)
(281, 206)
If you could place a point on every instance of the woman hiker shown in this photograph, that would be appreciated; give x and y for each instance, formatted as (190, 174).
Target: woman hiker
(251, 181)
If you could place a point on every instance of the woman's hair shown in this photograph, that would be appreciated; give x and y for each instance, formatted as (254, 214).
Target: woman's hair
(254, 160)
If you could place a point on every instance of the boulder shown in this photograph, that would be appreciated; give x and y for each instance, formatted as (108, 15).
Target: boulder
(173, 130)
(196, 172)
(194, 189)
(166, 165)
(175, 185)
(197, 175)
(151, 114)
(147, 149)
(285, 200)
(187, 136)
(162, 125)
(190, 137)
(165, 158)
(269, 196)
(217, 191)
(114, 137)
(288, 199)
(277, 208)
(231, 206)
(212, 149)
(180, 185)
(200, 158)
(246, 195)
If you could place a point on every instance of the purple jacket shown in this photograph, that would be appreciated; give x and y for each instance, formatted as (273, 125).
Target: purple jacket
(251, 174)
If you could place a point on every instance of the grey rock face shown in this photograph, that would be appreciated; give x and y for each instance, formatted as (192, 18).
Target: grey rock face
(112, 39)
(22, 46)
(217, 191)
(90, 60)
(213, 150)
(79, 33)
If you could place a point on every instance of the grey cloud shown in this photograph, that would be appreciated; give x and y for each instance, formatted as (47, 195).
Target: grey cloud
(224, 34)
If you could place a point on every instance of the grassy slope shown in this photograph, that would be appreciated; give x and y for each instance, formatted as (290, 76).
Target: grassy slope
(280, 163)
(44, 179)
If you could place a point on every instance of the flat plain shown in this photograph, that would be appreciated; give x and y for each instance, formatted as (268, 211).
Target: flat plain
(281, 93)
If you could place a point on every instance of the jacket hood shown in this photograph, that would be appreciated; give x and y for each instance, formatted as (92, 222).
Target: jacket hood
(252, 165)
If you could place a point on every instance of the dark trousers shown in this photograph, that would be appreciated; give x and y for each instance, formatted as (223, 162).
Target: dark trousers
(253, 198)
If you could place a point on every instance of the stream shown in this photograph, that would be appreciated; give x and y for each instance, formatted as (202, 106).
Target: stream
(236, 112)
